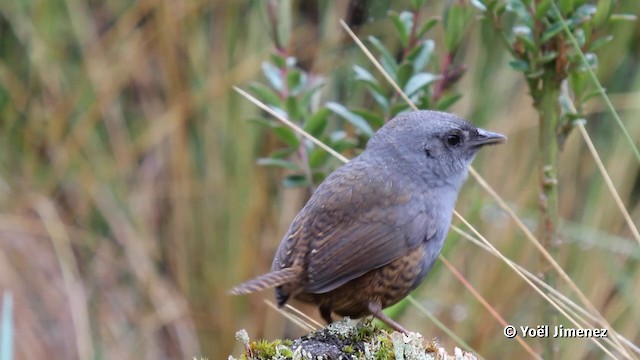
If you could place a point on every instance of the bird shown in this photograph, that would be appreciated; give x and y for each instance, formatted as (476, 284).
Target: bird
(372, 230)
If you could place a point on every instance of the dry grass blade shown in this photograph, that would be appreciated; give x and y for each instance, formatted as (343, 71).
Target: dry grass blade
(587, 325)
(607, 180)
(614, 193)
(170, 306)
(295, 127)
(560, 298)
(605, 175)
(291, 317)
(440, 325)
(545, 253)
(378, 65)
(303, 315)
(486, 305)
(71, 275)
(535, 287)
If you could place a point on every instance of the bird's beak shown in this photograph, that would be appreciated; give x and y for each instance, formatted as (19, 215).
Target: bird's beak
(488, 138)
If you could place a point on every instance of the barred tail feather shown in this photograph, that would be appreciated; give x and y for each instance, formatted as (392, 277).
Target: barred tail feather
(267, 281)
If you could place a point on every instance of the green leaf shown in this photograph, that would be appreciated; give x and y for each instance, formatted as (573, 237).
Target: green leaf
(311, 87)
(424, 101)
(529, 45)
(566, 6)
(542, 8)
(318, 177)
(584, 14)
(623, 17)
(390, 68)
(278, 60)
(519, 65)
(294, 111)
(295, 81)
(265, 94)
(284, 21)
(340, 141)
(268, 123)
(365, 76)
(426, 27)
(407, 21)
(421, 54)
(578, 80)
(398, 108)
(580, 37)
(372, 118)
(547, 57)
(278, 110)
(297, 180)
(478, 5)
(522, 13)
(551, 31)
(456, 19)
(380, 98)
(282, 153)
(287, 136)
(404, 73)
(318, 157)
(532, 74)
(356, 120)
(522, 34)
(597, 44)
(277, 163)
(317, 122)
(592, 94)
(418, 81)
(494, 5)
(273, 75)
(446, 101)
(417, 4)
(387, 61)
(603, 11)
(403, 23)
(592, 60)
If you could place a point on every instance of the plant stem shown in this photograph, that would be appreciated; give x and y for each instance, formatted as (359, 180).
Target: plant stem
(548, 106)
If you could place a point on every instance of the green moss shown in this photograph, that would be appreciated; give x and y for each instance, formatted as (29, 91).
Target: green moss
(365, 331)
(385, 348)
(348, 349)
(277, 349)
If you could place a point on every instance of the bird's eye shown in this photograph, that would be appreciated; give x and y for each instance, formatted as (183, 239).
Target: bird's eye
(454, 139)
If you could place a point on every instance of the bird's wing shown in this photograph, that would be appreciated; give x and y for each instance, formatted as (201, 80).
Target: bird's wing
(358, 223)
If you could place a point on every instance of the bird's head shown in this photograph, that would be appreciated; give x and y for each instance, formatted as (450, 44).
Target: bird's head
(437, 145)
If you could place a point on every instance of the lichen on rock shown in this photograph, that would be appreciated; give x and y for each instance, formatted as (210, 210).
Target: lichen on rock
(344, 340)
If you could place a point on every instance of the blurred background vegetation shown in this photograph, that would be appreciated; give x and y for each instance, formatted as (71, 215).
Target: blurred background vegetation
(131, 201)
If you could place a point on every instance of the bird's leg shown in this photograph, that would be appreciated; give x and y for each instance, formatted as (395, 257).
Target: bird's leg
(325, 312)
(376, 309)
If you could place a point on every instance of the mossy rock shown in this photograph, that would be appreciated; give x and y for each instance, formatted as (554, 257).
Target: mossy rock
(344, 340)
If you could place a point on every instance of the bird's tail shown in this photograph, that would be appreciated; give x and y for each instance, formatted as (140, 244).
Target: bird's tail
(267, 281)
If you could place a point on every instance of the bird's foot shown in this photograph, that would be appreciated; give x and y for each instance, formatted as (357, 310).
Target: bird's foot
(376, 309)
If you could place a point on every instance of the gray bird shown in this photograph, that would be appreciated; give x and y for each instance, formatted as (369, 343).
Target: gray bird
(373, 229)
